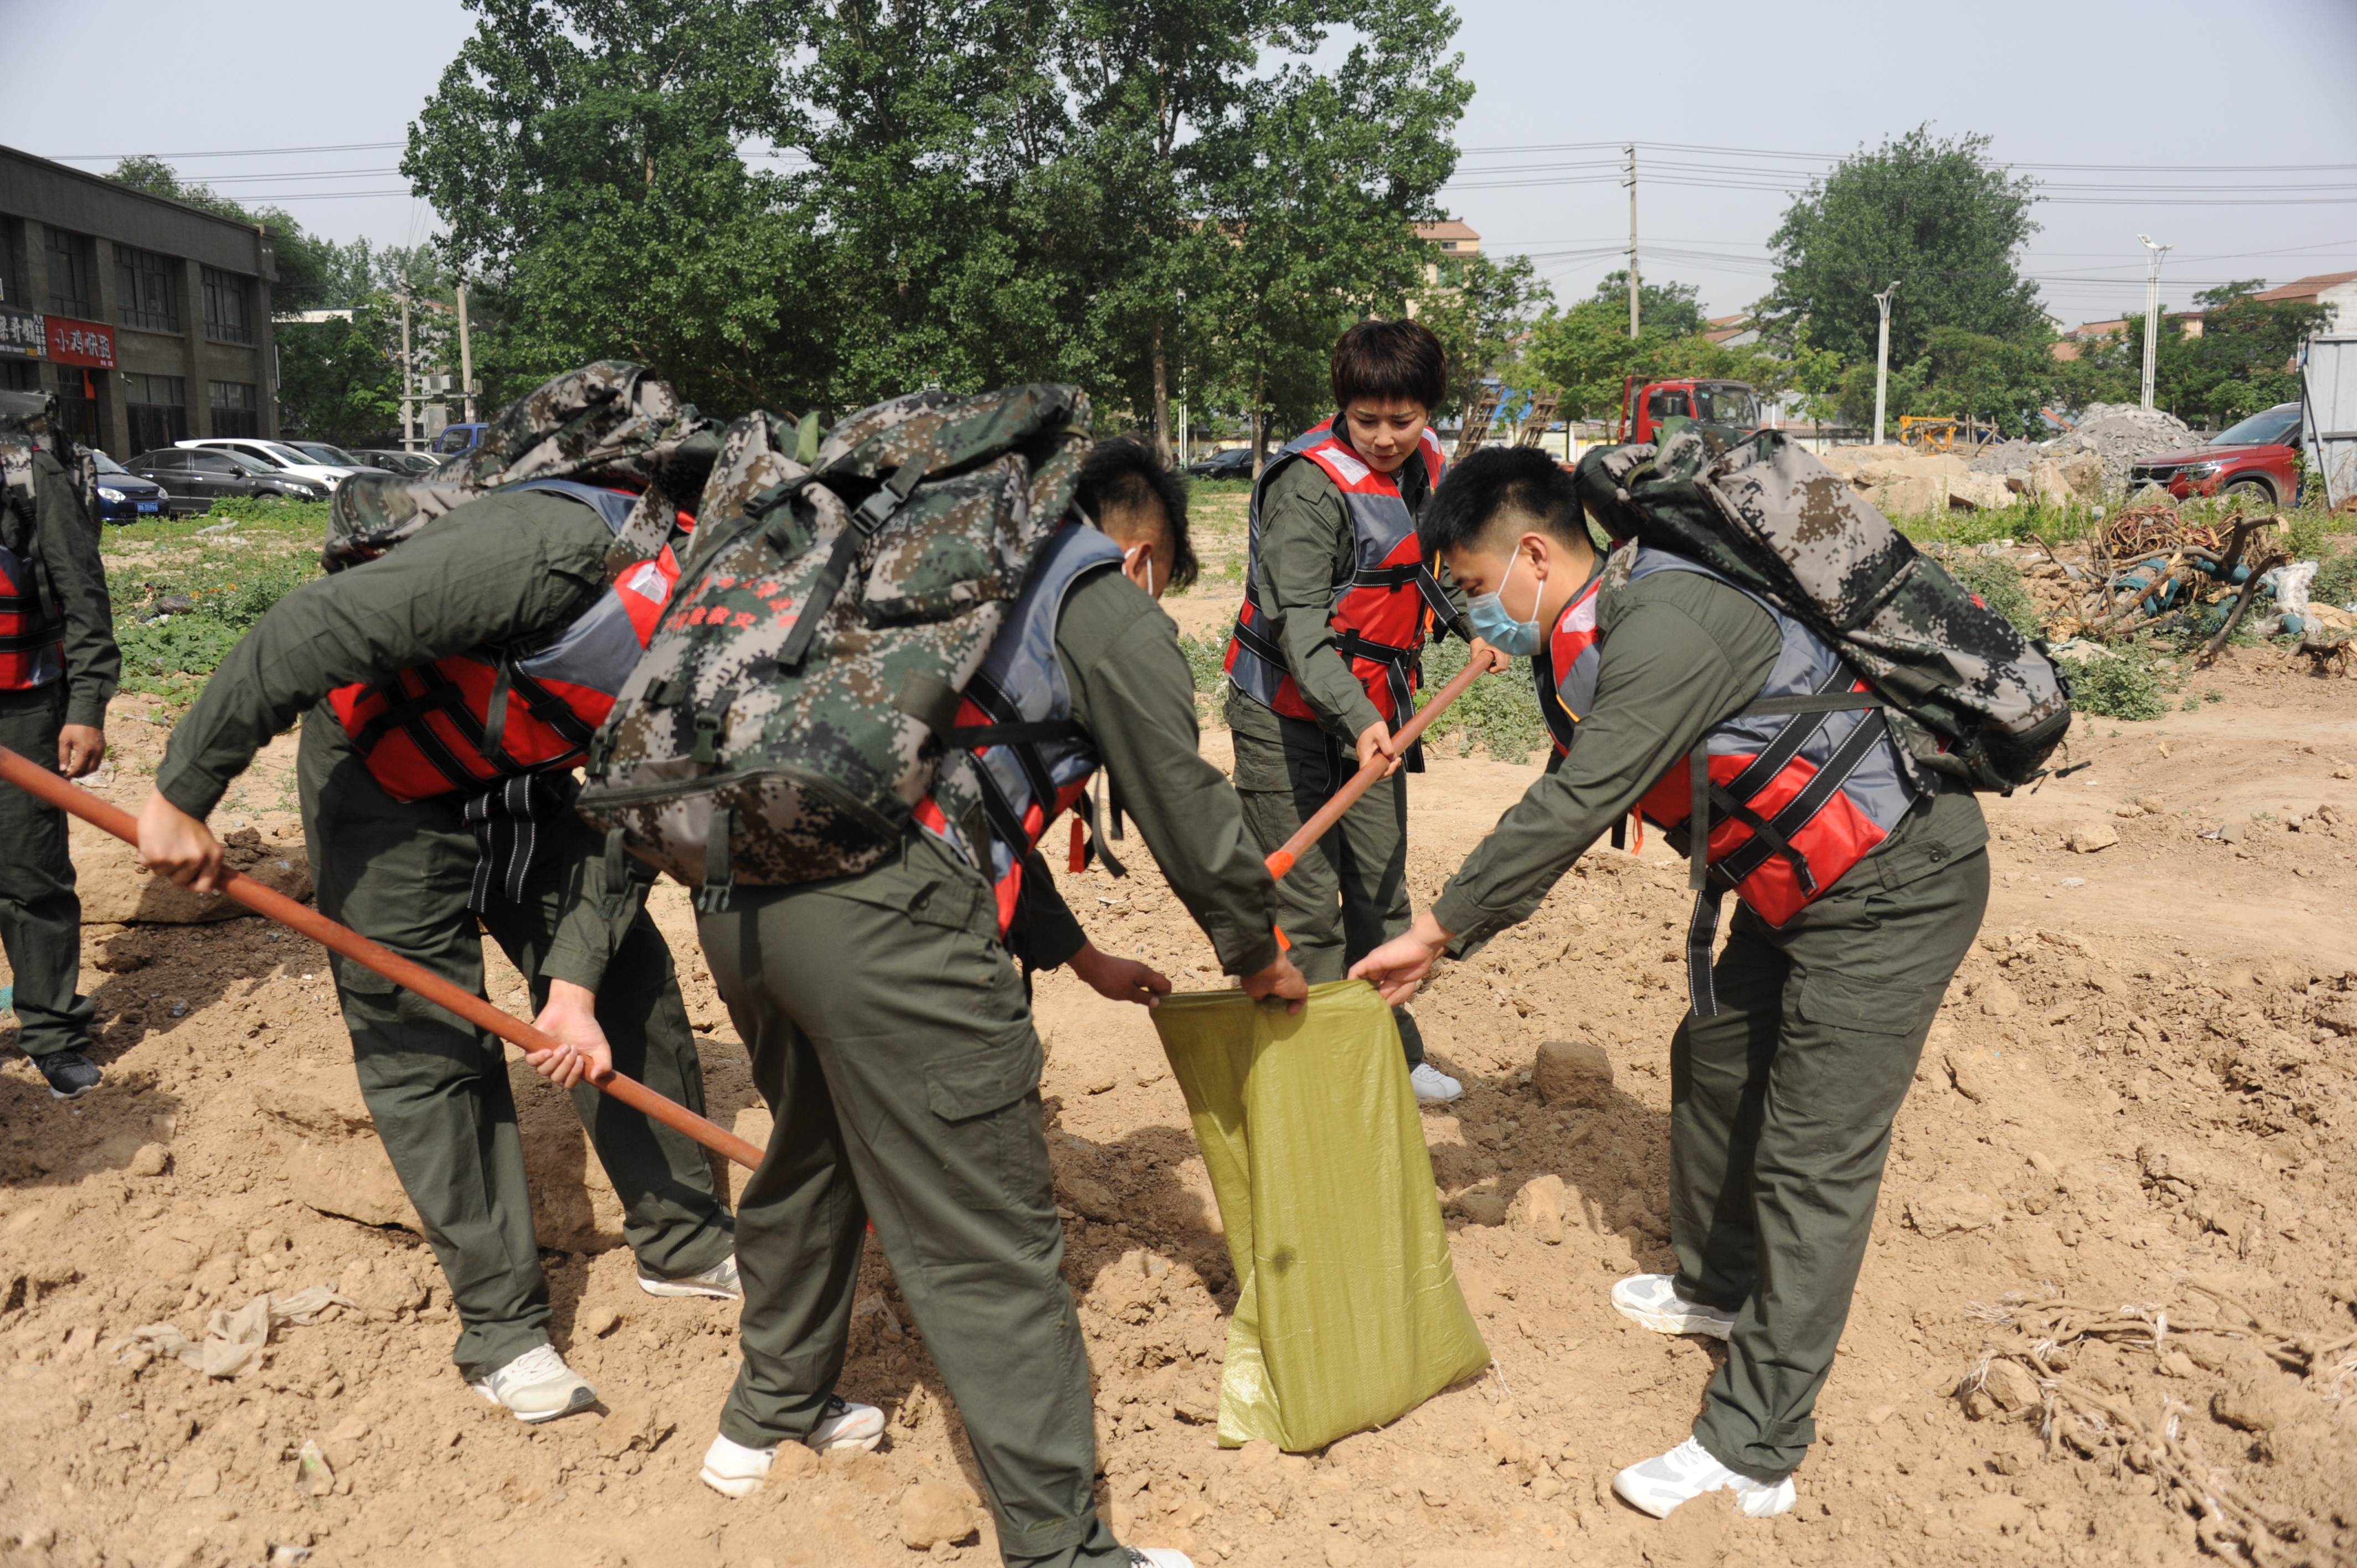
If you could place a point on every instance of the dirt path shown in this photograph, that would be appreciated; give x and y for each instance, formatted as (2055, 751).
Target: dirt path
(2139, 1088)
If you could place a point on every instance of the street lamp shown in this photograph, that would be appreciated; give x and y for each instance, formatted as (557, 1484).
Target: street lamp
(1882, 358)
(2152, 312)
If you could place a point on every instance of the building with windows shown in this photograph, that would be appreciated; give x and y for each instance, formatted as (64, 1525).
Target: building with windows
(149, 318)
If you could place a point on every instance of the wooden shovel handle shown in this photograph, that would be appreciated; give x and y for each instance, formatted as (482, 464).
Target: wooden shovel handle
(110, 818)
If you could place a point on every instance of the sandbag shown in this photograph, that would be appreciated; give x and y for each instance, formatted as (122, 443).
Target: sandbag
(1348, 1311)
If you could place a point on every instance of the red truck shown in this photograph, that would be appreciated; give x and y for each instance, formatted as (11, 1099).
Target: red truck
(1644, 404)
(2258, 458)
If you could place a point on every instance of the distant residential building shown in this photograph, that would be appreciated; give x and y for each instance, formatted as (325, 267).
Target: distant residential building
(2337, 292)
(2187, 322)
(1455, 237)
(149, 318)
(1737, 331)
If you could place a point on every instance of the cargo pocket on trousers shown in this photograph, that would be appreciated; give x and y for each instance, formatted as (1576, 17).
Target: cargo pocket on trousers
(988, 1135)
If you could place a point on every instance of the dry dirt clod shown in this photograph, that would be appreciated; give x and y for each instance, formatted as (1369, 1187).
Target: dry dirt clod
(601, 1320)
(933, 1511)
(1968, 1082)
(2089, 836)
(1541, 1209)
(1575, 1073)
(1945, 1211)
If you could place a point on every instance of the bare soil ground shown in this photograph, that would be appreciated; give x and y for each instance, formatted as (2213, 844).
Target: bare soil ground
(2138, 1103)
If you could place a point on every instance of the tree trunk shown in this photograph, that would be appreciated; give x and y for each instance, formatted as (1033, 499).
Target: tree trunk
(1259, 421)
(1161, 398)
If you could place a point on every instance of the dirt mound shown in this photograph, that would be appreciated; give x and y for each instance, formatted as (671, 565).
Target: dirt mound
(2106, 1316)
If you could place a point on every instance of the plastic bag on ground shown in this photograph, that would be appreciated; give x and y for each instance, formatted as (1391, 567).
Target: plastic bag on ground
(1348, 1311)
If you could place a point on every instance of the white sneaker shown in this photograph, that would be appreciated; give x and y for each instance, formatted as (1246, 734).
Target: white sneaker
(719, 1281)
(735, 1471)
(1158, 1557)
(1687, 1472)
(1653, 1301)
(1432, 1086)
(538, 1386)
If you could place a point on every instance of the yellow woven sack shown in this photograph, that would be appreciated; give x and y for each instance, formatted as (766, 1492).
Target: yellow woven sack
(1348, 1312)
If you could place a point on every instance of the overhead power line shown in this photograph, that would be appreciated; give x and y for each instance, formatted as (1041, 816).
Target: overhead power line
(229, 153)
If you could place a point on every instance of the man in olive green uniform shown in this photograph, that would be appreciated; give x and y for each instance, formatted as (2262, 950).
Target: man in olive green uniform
(1336, 614)
(504, 569)
(1782, 1101)
(892, 1037)
(57, 670)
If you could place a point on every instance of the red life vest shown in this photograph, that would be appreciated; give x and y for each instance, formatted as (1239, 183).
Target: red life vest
(471, 719)
(1382, 624)
(32, 642)
(1040, 765)
(1565, 669)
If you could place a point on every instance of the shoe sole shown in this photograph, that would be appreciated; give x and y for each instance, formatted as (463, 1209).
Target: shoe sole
(583, 1397)
(731, 1486)
(1677, 1322)
(681, 1287)
(865, 1445)
(77, 1094)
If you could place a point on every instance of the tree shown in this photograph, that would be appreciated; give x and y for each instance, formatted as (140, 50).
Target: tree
(1960, 375)
(1587, 355)
(2238, 362)
(305, 265)
(1674, 308)
(1940, 217)
(1481, 310)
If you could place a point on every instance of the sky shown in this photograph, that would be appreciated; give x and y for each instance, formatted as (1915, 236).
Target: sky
(2206, 126)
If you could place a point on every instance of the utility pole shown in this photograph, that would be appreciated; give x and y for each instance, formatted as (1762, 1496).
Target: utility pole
(408, 403)
(1632, 239)
(2152, 313)
(465, 352)
(1185, 450)
(1882, 359)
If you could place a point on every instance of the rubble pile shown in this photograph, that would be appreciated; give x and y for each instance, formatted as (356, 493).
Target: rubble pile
(2115, 434)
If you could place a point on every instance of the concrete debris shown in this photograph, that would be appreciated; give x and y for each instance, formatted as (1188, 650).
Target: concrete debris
(2093, 460)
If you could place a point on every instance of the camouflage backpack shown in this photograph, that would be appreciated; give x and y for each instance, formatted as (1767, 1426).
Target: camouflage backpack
(794, 705)
(28, 424)
(1968, 695)
(609, 420)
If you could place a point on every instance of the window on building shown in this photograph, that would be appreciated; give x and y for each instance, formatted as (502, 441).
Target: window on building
(72, 290)
(78, 403)
(227, 317)
(147, 285)
(20, 375)
(156, 409)
(234, 410)
(12, 286)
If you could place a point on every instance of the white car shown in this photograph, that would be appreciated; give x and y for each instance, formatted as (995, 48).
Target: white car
(281, 458)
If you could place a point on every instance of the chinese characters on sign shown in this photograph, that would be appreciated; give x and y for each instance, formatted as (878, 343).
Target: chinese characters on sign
(75, 342)
(21, 336)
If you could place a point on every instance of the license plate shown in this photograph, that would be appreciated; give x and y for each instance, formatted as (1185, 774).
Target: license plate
(151, 506)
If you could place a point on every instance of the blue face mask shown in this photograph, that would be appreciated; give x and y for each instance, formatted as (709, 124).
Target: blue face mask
(1495, 626)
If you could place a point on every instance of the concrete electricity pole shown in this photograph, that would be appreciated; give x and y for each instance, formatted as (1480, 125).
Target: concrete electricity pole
(1882, 359)
(1185, 450)
(408, 403)
(2152, 312)
(465, 352)
(1632, 239)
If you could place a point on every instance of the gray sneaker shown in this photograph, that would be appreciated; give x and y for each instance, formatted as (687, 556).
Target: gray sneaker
(538, 1386)
(70, 1074)
(1653, 1301)
(719, 1283)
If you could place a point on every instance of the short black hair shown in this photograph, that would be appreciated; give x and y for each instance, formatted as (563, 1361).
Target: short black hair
(1124, 474)
(1386, 360)
(1494, 480)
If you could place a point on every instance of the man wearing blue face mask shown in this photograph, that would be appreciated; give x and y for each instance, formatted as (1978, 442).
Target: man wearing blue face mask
(1860, 891)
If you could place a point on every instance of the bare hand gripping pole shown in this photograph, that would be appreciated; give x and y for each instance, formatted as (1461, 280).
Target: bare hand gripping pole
(1364, 779)
(110, 818)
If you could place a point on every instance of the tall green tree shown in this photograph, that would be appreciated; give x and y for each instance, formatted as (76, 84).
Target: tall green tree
(1585, 354)
(586, 156)
(1673, 309)
(1481, 310)
(1940, 218)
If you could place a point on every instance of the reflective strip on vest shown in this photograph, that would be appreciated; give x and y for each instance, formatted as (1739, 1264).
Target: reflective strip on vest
(1829, 786)
(471, 719)
(1571, 648)
(32, 643)
(1024, 786)
(1380, 622)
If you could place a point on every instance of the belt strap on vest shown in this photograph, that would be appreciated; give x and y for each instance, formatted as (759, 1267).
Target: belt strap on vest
(1711, 804)
(1350, 644)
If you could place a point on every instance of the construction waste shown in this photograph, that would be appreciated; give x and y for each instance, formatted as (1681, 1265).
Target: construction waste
(2088, 464)
(2115, 434)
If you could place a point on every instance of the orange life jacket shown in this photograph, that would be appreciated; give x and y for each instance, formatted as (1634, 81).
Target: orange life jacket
(1031, 761)
(1382, 615)
(32, 641)
(472, 719)
(1565, 668)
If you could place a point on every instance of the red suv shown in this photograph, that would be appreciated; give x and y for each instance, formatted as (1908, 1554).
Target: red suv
(2255, 460)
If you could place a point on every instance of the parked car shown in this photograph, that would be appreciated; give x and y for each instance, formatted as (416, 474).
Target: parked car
(206, 474)
(277, 456)
(455, 438)
(1232, 463)
(2257, 459)
(123, 496)
(398, 462)
(320, 451)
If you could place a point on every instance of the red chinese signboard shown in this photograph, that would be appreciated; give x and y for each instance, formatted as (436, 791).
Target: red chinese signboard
(75, 342)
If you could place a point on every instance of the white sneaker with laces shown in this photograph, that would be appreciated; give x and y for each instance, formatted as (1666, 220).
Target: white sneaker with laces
(735, 1471)
(538, 1386)
(1653, 1301)
(1687, 1472)
(1158, 1557)
(1432, 1086)
(719, 1283)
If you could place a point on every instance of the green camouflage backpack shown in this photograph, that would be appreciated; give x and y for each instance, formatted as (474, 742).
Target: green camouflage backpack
(1968, 695)
(792, 707)
(28, 424)
(609, 420)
